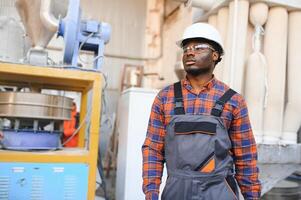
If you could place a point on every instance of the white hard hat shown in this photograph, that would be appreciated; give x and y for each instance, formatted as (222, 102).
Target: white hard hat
(202, 30)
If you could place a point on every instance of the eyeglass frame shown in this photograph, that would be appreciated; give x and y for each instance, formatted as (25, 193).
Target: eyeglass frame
(193, 48)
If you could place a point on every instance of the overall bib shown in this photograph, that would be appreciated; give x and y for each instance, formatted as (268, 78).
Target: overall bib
(198, 161)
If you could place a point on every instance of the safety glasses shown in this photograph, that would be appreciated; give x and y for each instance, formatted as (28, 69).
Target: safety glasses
(198, 48)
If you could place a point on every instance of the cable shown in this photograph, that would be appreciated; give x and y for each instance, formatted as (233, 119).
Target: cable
(100, 171)
(86, 119)
(104, 96)
(81, 46)
(104, 111)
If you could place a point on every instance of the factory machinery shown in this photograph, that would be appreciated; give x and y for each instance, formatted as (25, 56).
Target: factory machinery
(33, 161)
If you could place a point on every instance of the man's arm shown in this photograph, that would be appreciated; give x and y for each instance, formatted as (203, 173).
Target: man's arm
(245, 153)
(153, 152)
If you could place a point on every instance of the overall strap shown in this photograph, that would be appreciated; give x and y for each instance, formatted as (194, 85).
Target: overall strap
(220, 103)
(179, 104)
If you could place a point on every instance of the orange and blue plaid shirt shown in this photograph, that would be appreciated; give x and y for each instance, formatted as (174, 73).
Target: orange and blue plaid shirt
(235, 117)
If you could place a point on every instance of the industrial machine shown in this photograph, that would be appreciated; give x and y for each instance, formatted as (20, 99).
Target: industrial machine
(33, 161)
(32, 120)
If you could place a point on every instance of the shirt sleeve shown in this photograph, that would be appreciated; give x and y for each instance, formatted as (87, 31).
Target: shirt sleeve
(245, 153)
(153, 151)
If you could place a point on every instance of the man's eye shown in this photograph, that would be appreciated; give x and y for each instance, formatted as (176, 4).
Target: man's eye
(199, 48)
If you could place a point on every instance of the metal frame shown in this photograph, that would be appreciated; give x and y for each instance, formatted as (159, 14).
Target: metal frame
(61, 79)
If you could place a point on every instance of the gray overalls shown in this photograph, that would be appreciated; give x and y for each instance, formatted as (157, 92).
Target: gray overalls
(198, 161)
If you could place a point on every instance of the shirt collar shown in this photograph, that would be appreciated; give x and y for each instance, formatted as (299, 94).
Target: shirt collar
(207, 86)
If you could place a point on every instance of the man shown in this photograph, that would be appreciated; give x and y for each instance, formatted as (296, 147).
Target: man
(201, 129)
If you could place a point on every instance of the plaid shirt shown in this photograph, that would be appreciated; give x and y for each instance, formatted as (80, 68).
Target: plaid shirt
(235, 117)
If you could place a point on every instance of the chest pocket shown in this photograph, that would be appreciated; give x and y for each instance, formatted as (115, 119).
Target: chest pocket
(186, 128)
(195, 145)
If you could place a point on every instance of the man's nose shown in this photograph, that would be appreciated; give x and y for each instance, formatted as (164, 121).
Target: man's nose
(190, 52)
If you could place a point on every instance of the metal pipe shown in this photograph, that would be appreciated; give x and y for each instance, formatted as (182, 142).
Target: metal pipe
(47, 18)
(222, 27)
(276, 29)
(234, 41)
(235, 55)
(292, 119)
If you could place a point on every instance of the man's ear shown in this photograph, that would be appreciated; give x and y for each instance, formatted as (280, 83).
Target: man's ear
(215, 56)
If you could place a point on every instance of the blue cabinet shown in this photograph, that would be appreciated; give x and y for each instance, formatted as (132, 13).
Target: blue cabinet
(42, 181)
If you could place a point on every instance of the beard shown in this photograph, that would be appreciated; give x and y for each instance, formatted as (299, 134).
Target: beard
(197, 71)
